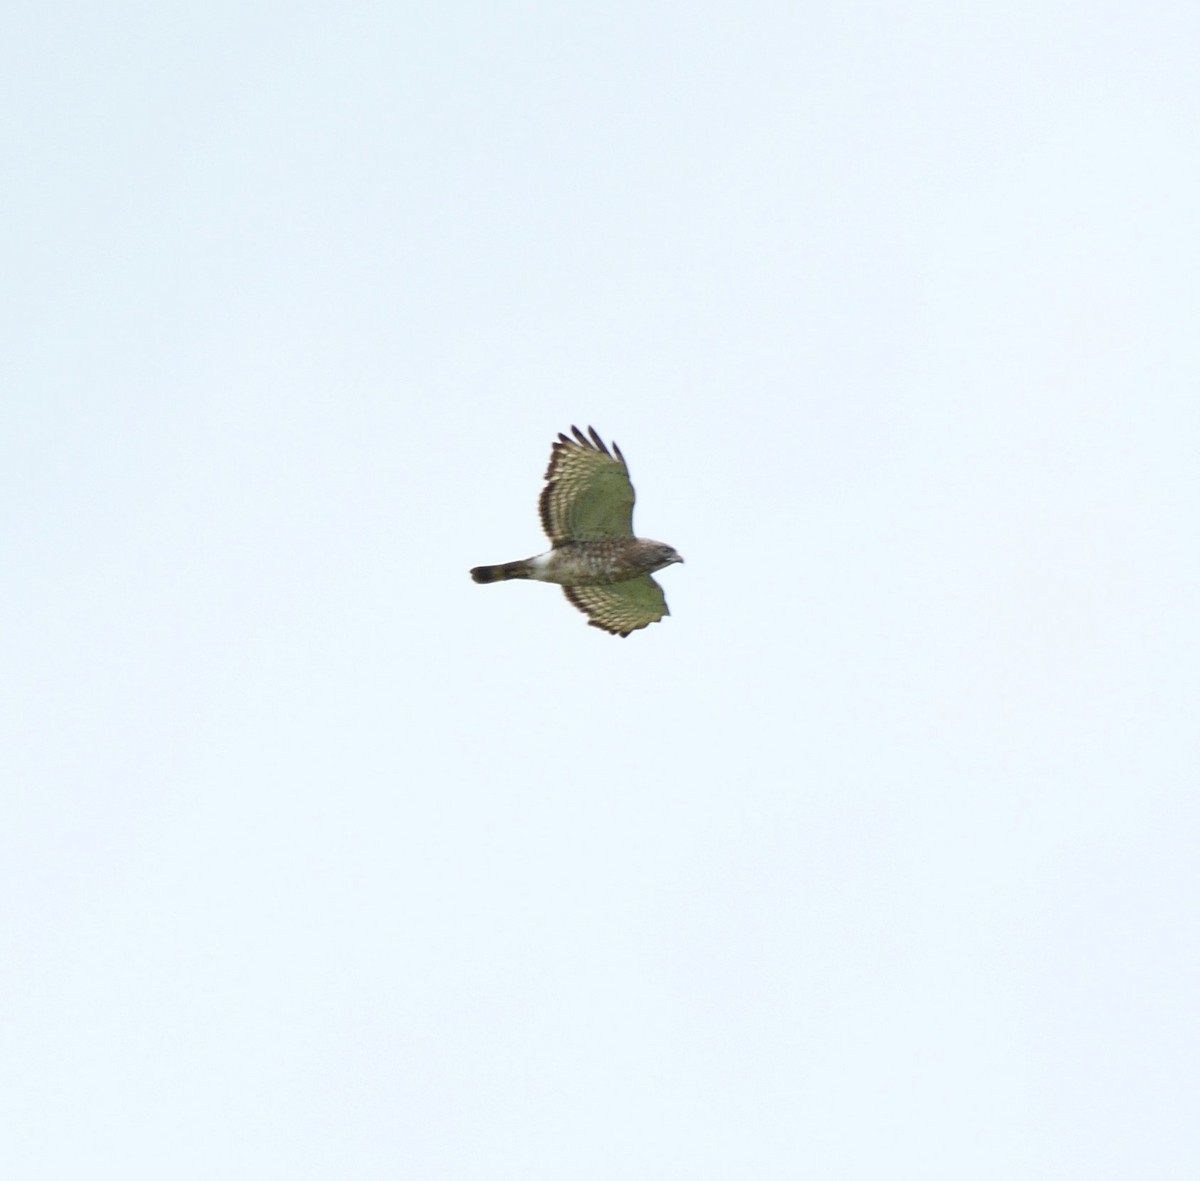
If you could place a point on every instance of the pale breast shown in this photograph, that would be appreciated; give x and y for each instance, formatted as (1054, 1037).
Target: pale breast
(588, 563)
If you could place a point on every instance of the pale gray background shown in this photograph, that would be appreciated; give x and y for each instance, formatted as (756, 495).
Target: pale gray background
(876, 860)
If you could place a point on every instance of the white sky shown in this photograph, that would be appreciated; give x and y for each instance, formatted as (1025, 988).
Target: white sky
(877, 859)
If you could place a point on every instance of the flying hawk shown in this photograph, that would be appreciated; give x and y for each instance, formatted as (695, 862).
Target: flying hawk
(587, 512)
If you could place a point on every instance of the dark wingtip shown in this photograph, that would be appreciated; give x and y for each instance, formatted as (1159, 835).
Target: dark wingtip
(591, 441)
(599, 442)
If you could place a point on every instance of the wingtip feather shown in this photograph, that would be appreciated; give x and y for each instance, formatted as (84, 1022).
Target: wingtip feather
(599, 442)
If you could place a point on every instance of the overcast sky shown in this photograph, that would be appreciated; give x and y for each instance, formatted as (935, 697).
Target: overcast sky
(876, 859)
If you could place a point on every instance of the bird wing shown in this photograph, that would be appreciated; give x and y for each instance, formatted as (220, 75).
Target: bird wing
(620, 607)
(588, 496)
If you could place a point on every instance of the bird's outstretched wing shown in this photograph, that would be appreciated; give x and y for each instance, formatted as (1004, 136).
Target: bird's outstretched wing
(620, 607)
(588, 496)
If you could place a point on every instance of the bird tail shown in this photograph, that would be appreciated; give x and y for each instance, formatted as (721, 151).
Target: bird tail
(501, 572)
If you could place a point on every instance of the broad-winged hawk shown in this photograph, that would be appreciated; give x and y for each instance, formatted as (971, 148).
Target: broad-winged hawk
(587, 512)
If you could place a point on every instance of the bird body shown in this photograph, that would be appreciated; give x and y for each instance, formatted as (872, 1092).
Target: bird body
(585, 563)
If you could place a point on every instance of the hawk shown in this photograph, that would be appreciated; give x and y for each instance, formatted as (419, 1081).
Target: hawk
(587, 512)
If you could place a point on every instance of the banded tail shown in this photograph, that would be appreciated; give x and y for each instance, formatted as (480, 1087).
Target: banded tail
(501, 572)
